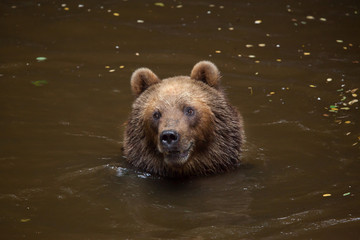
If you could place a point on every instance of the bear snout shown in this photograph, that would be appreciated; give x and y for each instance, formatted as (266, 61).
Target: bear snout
(170, 139)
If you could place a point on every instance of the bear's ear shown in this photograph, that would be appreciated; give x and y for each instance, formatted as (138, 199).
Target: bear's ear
(206, 72)
(141, 79)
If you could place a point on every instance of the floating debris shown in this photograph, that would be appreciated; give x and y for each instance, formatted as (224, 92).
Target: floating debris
(329, 79)
(312, 86)
(40, 59)
(25, 220)
(39, 83)
(112, 70)
(261, 44)
(354, 90)
(353, 101)
(323, 19)
(258, 21)
(279, 60)
(249, 45)
(231, 28)
(306, 53)
(217, 51)
(140, 21)
(251, 56)
(339, 41)
(159, 4)
(327, 195)
(116, 14)
(346, 194)
(122, 66)
(310, 17)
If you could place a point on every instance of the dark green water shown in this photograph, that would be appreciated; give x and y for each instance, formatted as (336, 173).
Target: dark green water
(291, 67)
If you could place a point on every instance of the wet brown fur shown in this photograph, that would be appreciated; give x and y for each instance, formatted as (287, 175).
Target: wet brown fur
(216, 129)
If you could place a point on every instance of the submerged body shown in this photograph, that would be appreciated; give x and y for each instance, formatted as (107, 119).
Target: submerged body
(182, 126)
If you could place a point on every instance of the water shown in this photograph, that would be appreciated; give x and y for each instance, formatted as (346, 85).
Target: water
(61, 168)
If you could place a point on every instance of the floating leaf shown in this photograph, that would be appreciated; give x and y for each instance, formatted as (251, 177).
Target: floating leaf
(39, 83)
(353, 101)
(346, 194)
(159, 4)
(40, 59)
(354, 90)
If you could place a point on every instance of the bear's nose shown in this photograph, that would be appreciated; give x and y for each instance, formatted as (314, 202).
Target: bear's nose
(169, 138)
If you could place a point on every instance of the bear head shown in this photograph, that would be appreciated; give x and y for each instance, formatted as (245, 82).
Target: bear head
(179, 125)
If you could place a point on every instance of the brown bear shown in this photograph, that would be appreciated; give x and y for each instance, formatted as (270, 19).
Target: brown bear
(182, 126)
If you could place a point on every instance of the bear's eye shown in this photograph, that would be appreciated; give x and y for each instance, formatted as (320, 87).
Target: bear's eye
(189, 111)
(157, 115)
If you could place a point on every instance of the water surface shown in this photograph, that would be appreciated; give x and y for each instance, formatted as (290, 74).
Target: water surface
(291, 67)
